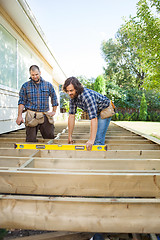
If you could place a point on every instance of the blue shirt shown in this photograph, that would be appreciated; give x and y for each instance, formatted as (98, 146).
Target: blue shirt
(36, 96)
(89, 101)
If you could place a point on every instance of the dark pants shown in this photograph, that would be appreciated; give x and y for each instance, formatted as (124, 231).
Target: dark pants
(46, 129)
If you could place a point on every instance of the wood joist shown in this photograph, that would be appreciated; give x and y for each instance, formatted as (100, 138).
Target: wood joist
(113, 191)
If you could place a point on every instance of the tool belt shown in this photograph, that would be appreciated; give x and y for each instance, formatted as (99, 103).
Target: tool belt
(109, 111)
(32, 118)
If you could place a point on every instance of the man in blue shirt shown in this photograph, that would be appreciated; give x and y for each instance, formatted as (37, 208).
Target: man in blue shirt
(34, 97)
(91, 102)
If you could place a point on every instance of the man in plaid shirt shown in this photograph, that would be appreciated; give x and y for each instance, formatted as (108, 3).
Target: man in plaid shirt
(34, 96)
(91, 102)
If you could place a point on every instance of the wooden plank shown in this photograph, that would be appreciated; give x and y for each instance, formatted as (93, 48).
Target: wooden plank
(133, 147)
(104, 184)
(97, 164)
(109, 141)
(80, 214)
(110, 154)
(12, 162)
(17, 153)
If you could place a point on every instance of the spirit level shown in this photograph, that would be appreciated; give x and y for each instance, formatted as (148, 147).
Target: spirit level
(58, 147)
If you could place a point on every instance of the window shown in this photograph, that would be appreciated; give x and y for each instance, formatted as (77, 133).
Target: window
(24, 62)
(8, 59)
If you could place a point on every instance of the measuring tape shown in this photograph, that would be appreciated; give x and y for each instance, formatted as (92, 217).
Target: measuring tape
(59, 147)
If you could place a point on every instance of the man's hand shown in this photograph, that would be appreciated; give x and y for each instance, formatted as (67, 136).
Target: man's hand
(89, 145)
(19, 120)
(51, 113)
(70, 141)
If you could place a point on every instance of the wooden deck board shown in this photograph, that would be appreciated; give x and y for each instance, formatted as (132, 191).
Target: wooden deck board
(80, 215)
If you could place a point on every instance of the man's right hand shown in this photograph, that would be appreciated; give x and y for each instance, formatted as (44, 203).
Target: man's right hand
(19, 120)
(70, 141)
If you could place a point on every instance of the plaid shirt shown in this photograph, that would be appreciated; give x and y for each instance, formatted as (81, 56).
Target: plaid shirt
(90, 101)
(36, 96)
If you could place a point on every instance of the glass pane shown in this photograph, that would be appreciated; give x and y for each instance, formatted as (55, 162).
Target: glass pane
(24, 59)
(8, 59)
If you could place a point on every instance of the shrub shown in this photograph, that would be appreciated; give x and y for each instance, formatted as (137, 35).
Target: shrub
(127, 117)
(143, 109)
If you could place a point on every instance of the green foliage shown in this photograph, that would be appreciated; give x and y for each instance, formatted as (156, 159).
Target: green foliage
(3, 233)
(88, 83)
(134, 116)
(66, 105)
(144, 31)
(123, 64)
(133, 58)
(153, 116)
(127, 117)
(99, 85)
(78, 113)
(143, 109)
(131, 97)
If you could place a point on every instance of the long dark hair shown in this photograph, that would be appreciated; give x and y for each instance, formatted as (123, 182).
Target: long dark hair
(75, 82)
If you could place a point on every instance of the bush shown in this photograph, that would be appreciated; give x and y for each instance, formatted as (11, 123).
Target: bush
(127, 117)
(143, 109)
(154, 117)
(134, 116)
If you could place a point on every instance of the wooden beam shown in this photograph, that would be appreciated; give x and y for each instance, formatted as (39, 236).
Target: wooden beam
(17, 153)
(110, 154)
(80, 214)
(108, 141)
(81, 183)
(97, 164)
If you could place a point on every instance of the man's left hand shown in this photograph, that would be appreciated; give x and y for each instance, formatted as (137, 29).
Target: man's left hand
(89, 145)
(51, 113)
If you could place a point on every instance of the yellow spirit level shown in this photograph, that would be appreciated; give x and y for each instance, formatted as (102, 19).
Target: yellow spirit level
(58, 147)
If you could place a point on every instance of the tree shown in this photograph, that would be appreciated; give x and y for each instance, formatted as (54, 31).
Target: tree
(123, 64)
(86, 82)
(143, 109)
(99, 85)
(144, 31)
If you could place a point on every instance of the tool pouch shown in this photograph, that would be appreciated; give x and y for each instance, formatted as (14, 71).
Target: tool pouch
(50, 118)
(108, 112)
(32, 118)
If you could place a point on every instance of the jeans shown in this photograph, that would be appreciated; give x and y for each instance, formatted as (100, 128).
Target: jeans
(103, 125)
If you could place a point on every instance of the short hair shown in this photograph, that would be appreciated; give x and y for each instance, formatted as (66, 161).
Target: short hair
(75, 82)
(33, 68)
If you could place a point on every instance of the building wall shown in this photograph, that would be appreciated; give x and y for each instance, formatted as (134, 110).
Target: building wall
(17, 54)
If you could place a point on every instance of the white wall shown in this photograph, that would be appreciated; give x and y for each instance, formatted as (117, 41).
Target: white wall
(8, 110)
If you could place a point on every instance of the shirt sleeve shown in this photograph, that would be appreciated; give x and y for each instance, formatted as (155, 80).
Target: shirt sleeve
(91, 105)
(22, 96)
(72, 107)
(53, 96)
